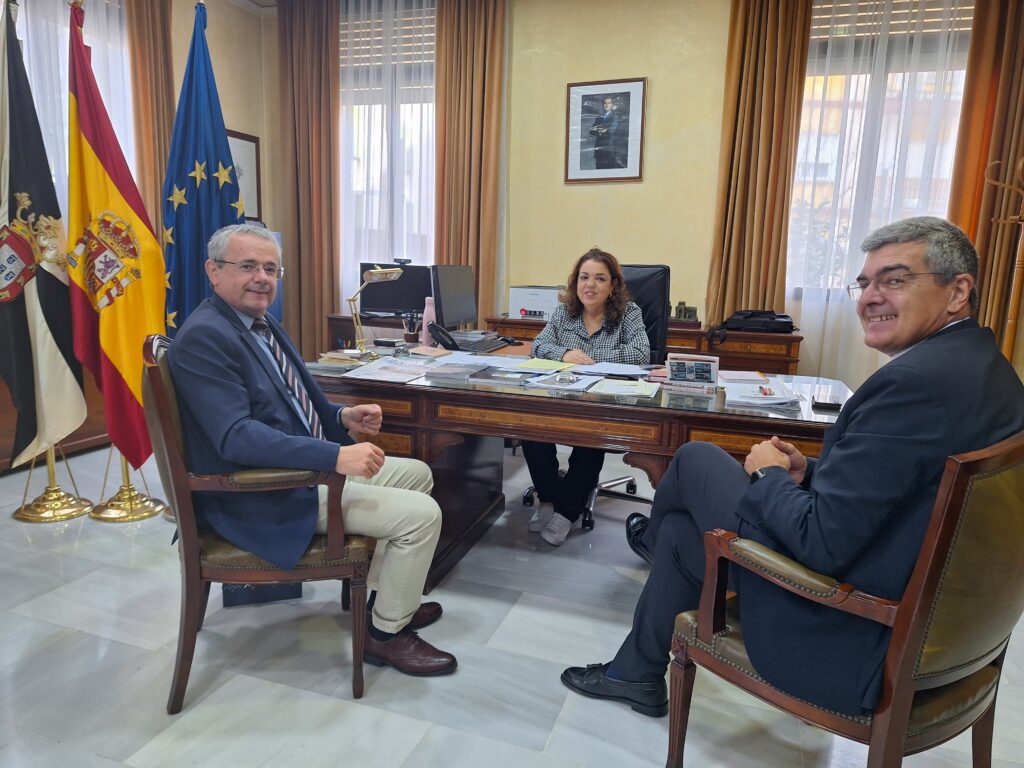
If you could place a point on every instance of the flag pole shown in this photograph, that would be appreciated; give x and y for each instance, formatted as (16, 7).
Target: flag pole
(127, 505)
(53, 505)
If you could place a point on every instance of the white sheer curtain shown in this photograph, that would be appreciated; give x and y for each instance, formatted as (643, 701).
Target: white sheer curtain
(43, 29)
(878, 133)
(387, 134)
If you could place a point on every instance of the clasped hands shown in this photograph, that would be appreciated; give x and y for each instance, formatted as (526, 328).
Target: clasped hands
(777, 453)
(577, 357)
(361, 459)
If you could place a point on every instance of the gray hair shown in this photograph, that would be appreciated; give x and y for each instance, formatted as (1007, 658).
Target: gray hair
(948, 250)
(218, 245)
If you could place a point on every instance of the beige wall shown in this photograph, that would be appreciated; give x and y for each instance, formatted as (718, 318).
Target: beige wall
(243, 50)
(679, 46)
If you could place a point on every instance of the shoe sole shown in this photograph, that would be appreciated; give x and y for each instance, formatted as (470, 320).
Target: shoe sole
(536, 527)
(379, 662)
(553, 543)
(659, 710)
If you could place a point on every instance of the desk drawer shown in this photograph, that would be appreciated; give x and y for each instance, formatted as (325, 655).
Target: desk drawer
(767, 347)
(740, 443)
(395, 443)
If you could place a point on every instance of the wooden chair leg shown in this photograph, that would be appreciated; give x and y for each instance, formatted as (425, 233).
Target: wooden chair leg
(203, 603)
(359, 619)
(192, 589)
(684, 673)
(981, 737)
(346, 595)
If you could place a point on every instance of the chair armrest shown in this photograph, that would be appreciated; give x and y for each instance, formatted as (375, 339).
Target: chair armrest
(722, 547)
(261, 480)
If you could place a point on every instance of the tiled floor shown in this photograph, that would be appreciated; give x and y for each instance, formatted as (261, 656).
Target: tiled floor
(89, 622)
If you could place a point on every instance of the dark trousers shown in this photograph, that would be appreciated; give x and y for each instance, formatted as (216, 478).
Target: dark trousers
(568, 494)
(700, 491)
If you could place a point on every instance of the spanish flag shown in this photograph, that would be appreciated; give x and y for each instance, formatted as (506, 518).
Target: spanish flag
(115, 264)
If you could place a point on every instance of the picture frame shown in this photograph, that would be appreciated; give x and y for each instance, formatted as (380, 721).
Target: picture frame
(604, 130)
(245, 154)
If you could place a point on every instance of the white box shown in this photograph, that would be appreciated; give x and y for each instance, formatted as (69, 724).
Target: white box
(532, 302)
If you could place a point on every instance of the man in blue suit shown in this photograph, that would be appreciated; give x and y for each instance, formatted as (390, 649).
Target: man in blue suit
(858, 513)
(247, 401)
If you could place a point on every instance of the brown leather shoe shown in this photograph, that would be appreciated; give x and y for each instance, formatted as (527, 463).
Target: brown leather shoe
(425, 615)
(409, 653)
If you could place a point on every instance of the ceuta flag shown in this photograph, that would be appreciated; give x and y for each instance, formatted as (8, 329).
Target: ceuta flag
(116, 268)
(36, 351)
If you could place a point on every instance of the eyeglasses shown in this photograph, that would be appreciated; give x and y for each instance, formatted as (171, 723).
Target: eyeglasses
(890, 282)
(251, 267)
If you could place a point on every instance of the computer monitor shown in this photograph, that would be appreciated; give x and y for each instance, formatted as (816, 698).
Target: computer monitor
(454, 295)
(406, 294)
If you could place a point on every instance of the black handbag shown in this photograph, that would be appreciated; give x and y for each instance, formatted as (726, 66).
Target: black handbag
(752, 320)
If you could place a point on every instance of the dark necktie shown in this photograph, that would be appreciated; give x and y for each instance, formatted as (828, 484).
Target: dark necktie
(291, 378)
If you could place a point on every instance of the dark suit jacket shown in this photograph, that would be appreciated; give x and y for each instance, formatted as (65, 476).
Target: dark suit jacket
(237, 414)
(861, 514)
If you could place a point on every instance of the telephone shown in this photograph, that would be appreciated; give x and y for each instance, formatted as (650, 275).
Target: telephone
(441, 336)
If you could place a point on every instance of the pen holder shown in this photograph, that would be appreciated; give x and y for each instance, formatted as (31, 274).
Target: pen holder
(412, 338)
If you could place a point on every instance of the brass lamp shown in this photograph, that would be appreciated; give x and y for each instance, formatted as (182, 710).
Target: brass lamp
(375, 275)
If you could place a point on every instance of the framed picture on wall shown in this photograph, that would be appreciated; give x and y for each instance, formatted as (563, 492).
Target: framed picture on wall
(245, 153)
(604, 130)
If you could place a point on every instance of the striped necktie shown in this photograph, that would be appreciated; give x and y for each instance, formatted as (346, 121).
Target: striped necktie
(291, 378)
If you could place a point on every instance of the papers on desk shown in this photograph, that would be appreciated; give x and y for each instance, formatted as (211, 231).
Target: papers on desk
(540, 365)
(577, 384)
(603, 369)
(619, 387)
(741, 377)
(395, 369)
(773, 394)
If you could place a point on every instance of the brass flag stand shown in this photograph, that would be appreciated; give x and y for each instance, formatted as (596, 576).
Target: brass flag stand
(53, 505)
(127, 505)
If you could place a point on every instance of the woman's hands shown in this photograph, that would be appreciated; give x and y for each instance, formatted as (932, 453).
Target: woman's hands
(577, 357)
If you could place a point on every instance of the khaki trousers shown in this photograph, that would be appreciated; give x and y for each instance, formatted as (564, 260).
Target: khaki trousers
(394, 507)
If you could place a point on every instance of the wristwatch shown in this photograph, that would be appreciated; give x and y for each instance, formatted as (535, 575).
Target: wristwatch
(757, 474)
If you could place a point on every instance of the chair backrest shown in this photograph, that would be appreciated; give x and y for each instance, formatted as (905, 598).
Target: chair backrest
(969, 580)
(160, 405)
(648, 284)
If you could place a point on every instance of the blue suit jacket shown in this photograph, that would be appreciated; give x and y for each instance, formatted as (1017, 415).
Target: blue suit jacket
(861, 514)
(237, 414)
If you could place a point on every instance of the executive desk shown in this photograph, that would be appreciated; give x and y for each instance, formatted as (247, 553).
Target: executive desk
(458, 428)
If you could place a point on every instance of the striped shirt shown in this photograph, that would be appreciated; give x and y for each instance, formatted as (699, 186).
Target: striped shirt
(625, 343)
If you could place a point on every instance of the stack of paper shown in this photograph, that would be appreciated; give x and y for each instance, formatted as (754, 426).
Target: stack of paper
(569, 383)
(399, 370)
(772, 394)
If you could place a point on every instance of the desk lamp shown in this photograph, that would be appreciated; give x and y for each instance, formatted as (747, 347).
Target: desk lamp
(375, 275)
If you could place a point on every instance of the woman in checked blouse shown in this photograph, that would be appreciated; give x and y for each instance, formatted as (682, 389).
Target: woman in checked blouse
(594, 323)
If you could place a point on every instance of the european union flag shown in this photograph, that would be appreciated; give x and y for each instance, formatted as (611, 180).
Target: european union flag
(201, 192)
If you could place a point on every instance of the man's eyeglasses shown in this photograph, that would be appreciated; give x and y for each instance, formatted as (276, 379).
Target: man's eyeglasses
(890, 282)
(251, 267)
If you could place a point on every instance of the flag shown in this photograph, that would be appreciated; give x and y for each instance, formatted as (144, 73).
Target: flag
(36, 350)
(115, 264)
(201, 192)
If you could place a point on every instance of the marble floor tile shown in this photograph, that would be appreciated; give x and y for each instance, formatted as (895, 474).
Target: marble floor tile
(31, 750)
(256, 723)
(504, 696)
(452, 748)
(138, 607)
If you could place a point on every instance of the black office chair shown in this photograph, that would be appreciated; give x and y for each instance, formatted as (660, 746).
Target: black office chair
(648, 286)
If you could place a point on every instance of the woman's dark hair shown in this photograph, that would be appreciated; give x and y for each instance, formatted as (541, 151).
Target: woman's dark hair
(619, 297)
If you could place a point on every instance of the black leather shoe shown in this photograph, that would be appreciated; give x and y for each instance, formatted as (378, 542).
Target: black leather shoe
(649, 699)
(636, 524)
(409, 653)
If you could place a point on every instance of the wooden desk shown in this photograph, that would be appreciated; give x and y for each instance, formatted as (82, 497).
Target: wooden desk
(458, 429)
(767, 352)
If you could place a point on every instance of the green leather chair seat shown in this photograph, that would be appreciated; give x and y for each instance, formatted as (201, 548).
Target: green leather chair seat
(218, 553)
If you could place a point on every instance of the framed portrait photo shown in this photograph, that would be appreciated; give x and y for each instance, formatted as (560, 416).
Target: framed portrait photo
(245, 153)
(604, 130)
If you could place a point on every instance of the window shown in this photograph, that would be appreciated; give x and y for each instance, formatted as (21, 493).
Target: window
(880, 113)
(387, 134)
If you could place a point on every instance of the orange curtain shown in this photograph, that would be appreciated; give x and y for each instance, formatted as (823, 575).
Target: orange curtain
(992, 131)
(764, 85)
(470, 71)
(149, 42)
(308, 35)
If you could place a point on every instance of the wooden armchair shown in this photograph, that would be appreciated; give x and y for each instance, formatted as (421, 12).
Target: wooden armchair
(949, 631)
(206, 557)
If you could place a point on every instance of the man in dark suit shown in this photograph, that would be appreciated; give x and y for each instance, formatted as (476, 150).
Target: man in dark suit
(605, 132)
(858, 513)
(247, 401)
